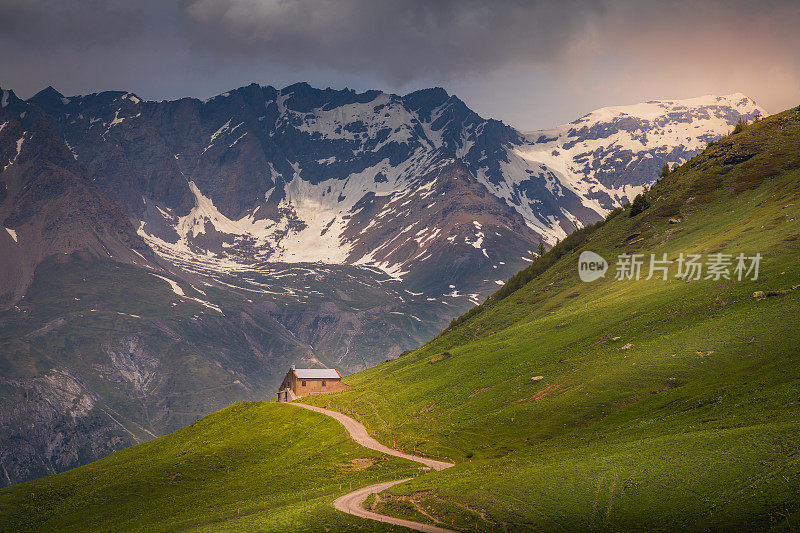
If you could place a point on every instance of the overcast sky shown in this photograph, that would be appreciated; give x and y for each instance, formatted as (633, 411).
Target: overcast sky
(532, 64)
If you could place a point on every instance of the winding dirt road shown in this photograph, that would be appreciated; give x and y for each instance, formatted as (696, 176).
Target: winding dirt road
(353, 502)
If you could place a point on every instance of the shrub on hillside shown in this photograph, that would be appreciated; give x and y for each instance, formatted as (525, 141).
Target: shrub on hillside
(614, 213)
(540, 250)
(670, 208)
(754, 178)
(639, 204)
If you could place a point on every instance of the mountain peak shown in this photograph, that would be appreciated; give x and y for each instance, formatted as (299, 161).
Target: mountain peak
(48, 92)
(426, 99)
(298, 86)
(438, 93)
(305, 98)
(49, 99)
(652, 109)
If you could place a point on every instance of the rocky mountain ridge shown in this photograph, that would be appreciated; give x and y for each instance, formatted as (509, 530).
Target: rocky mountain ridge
(265, 174)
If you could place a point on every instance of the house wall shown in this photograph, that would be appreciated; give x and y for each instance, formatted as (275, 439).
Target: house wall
(286, 395)
(288, 381)
(314, 386)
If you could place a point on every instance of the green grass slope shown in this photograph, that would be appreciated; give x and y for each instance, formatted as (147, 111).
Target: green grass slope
(252, 466)
(661, 404)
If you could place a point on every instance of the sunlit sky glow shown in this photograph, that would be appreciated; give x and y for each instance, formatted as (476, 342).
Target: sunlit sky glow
(531, 64)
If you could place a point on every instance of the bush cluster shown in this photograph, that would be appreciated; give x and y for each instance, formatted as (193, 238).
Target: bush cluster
(639, 204)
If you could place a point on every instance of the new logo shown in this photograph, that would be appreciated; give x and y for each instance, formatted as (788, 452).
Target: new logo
(591, 266)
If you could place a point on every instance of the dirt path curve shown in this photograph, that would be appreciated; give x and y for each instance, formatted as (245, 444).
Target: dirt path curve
(353, 502)
(359, 434)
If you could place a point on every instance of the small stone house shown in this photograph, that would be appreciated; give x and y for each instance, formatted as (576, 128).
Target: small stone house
(301, 382)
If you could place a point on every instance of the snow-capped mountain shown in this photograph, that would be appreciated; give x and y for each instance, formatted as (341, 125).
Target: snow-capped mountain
(418, 187)
(608, 154)
(264, 175)
(260, 174)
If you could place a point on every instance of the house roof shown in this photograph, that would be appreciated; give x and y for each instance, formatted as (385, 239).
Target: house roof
(317, 373)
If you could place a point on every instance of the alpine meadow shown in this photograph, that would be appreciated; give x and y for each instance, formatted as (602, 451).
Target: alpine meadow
(504, 267)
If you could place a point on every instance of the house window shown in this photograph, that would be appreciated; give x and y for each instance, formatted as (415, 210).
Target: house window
(323, 383)
(304, 384)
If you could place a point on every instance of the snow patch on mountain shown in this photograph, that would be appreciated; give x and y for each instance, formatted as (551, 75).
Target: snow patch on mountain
(314, 217)
(382, 117)
(592, 153)
(13, 159)
(178, 291)
(173, 285)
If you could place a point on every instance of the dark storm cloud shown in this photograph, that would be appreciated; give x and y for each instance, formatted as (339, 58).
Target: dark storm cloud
(532, 63)
(580, 53)
(407, 39)
(399, 40)
(52, 24)
(81, 46)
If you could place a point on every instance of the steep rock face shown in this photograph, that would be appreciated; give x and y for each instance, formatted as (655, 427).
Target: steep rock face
(52, 423)
(48, 206)
(100, 355)
(444, 231)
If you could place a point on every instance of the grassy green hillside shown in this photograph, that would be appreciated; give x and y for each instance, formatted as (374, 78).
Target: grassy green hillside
(255, 465)
(656, 405)
(661, 404)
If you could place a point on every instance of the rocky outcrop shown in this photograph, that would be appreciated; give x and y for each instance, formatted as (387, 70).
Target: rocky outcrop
(100, 355)
(52, 423)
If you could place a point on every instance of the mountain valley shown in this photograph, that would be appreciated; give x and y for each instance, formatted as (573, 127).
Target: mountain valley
(164, 259)
(625, 403)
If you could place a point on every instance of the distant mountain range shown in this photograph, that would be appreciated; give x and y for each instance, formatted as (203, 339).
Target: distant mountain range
(260, 174)
(155, 250)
